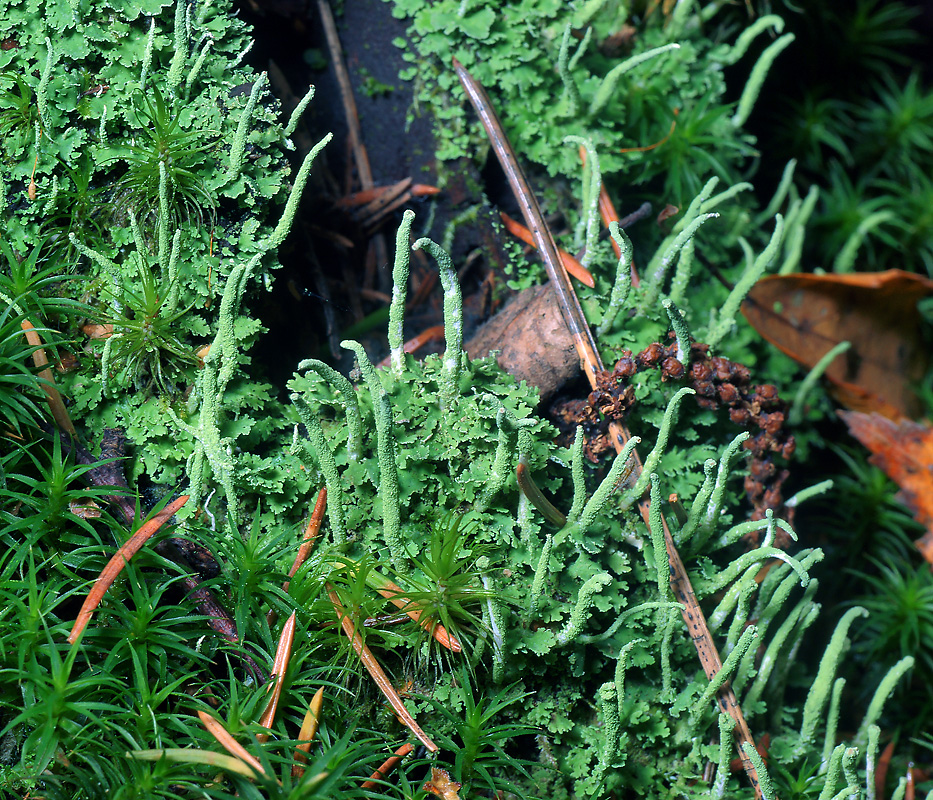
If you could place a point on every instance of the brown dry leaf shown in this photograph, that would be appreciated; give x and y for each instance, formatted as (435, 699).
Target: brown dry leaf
(84, 508)
(904, 451)
(94, 331)
(807, 315)
(442, 785)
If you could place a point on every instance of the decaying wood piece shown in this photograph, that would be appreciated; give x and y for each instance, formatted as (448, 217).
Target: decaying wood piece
(592, 364)
(532, 341)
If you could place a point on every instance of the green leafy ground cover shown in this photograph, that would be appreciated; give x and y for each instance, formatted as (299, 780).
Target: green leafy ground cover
(162, 193)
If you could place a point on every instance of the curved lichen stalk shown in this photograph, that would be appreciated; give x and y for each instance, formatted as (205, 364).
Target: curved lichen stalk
(385, 448)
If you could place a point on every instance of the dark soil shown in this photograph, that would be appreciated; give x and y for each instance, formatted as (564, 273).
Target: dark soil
(316, 299)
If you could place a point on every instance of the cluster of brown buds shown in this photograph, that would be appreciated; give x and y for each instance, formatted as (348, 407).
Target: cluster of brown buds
(718, 382)
(755, 407)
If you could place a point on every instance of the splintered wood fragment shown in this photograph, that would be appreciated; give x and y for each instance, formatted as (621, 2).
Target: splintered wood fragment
(216, 729)
(122, 557)
(309, 726)
(39, 358)
(387, 767)
(374, 668)
(378, 195)
(592, 364)
(282, 654)
(574, 267)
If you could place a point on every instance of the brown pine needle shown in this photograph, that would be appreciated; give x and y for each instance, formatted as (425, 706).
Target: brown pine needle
(282, 654)
(585, 345)
(433, 334)
(122, 557)
(216, 729)
(309, 726)
(395, 595)
(387, 766)
(312, 531)
(56, 406)
(378, 674)
(574, 267)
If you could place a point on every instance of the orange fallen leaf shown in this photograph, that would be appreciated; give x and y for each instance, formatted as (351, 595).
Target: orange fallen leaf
(433, 334)
(805, 316)
(312, 531)
(904, 451)
(396, 595)
(442, 785)
(109, 573)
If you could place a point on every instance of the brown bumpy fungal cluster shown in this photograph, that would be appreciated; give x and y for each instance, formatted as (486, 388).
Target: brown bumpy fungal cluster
(719, 383)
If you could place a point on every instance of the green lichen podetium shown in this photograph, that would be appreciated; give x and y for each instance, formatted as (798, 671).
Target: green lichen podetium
(582, 618)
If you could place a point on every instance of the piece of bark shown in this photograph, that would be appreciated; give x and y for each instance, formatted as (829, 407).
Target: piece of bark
(532, 339)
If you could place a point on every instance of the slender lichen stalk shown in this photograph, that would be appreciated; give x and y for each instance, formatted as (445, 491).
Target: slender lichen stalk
(351, 407)
(42, 90)
(399, 294)
(594, 507)
(328, 466)
(504, 458)
(147, 55)
(180, 52)
(623, 280)
(563, 69)
(726, 726)
(238, 149)
(732, 54)
(660, 445)
(577, 475)
(882, 693)
(725, 320)
(727, 670)
(608, 705)
(795, 414)
(832, 719)
(681, 331)
(822, 684)
(385, 451)
(300, 109)
(582, 608)
(608, 85)
(294, 196)
(540, 576)
(453, 321)
(757, 78)
(592, 180)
